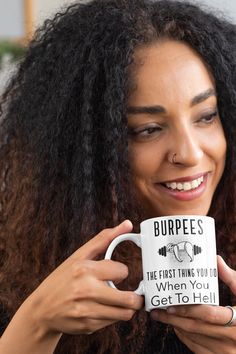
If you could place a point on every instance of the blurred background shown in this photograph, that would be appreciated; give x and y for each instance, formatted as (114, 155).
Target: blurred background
(20, 18)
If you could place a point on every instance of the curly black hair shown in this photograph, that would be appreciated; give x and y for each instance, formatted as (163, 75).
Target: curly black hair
(64, 142)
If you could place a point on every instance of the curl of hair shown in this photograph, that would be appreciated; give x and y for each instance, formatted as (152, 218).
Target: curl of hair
(64, 147)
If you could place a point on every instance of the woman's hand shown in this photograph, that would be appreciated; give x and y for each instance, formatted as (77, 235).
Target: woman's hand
(201, 327)
(76, 299)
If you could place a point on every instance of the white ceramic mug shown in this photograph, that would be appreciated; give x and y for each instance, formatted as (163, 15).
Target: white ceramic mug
(178, 259)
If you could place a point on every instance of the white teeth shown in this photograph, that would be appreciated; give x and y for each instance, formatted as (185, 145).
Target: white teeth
(186, 186)
(180, 186)
(194, 184)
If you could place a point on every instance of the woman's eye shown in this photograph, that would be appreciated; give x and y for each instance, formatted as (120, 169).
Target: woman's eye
(145, 131)
(209, 118)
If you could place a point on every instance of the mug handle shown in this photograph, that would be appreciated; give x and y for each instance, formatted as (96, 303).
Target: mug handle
(136, 238)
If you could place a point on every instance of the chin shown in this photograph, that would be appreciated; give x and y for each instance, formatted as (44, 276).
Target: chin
(155, 212)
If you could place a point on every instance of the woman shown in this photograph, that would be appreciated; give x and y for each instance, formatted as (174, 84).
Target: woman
(118, 105)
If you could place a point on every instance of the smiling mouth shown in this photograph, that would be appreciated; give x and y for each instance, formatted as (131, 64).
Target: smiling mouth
(184, 186)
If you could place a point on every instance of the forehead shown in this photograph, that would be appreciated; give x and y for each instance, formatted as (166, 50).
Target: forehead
(168, 69)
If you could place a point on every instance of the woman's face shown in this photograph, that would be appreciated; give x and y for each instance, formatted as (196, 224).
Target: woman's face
(173, 110)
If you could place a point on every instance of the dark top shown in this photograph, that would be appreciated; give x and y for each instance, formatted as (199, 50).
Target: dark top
(154, 340)
(159, 338)
(171, 344)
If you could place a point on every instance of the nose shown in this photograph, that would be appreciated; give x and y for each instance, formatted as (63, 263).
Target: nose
(185, 148)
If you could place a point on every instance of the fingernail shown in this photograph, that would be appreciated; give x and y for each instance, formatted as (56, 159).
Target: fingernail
(127, 222)
(171, 310)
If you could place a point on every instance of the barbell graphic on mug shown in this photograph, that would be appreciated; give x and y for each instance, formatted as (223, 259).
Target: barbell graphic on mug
(179, 248)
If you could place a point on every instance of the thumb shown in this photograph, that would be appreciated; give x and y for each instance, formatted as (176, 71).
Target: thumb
(227, 274)
(101, 241)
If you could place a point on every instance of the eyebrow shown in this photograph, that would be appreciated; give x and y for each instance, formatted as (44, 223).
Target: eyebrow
(156, 109)
(203, 96)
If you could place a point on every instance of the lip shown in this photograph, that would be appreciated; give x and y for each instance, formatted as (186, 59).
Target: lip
(186, 195)
(187, 178)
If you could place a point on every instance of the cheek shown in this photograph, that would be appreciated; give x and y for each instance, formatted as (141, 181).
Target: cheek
(144, 161)
(217, 152)
(214, 145)
(219, 147)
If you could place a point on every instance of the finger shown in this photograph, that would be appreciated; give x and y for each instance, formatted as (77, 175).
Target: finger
(99, 324)
(216, 346)
(101, 270)
(194, 347)
(90, 283)
(195, 326)
(89, 310)
(90, 326)
(106, 295)
(99, 244)
(110, 270)
(226, 274)
(217, 315)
